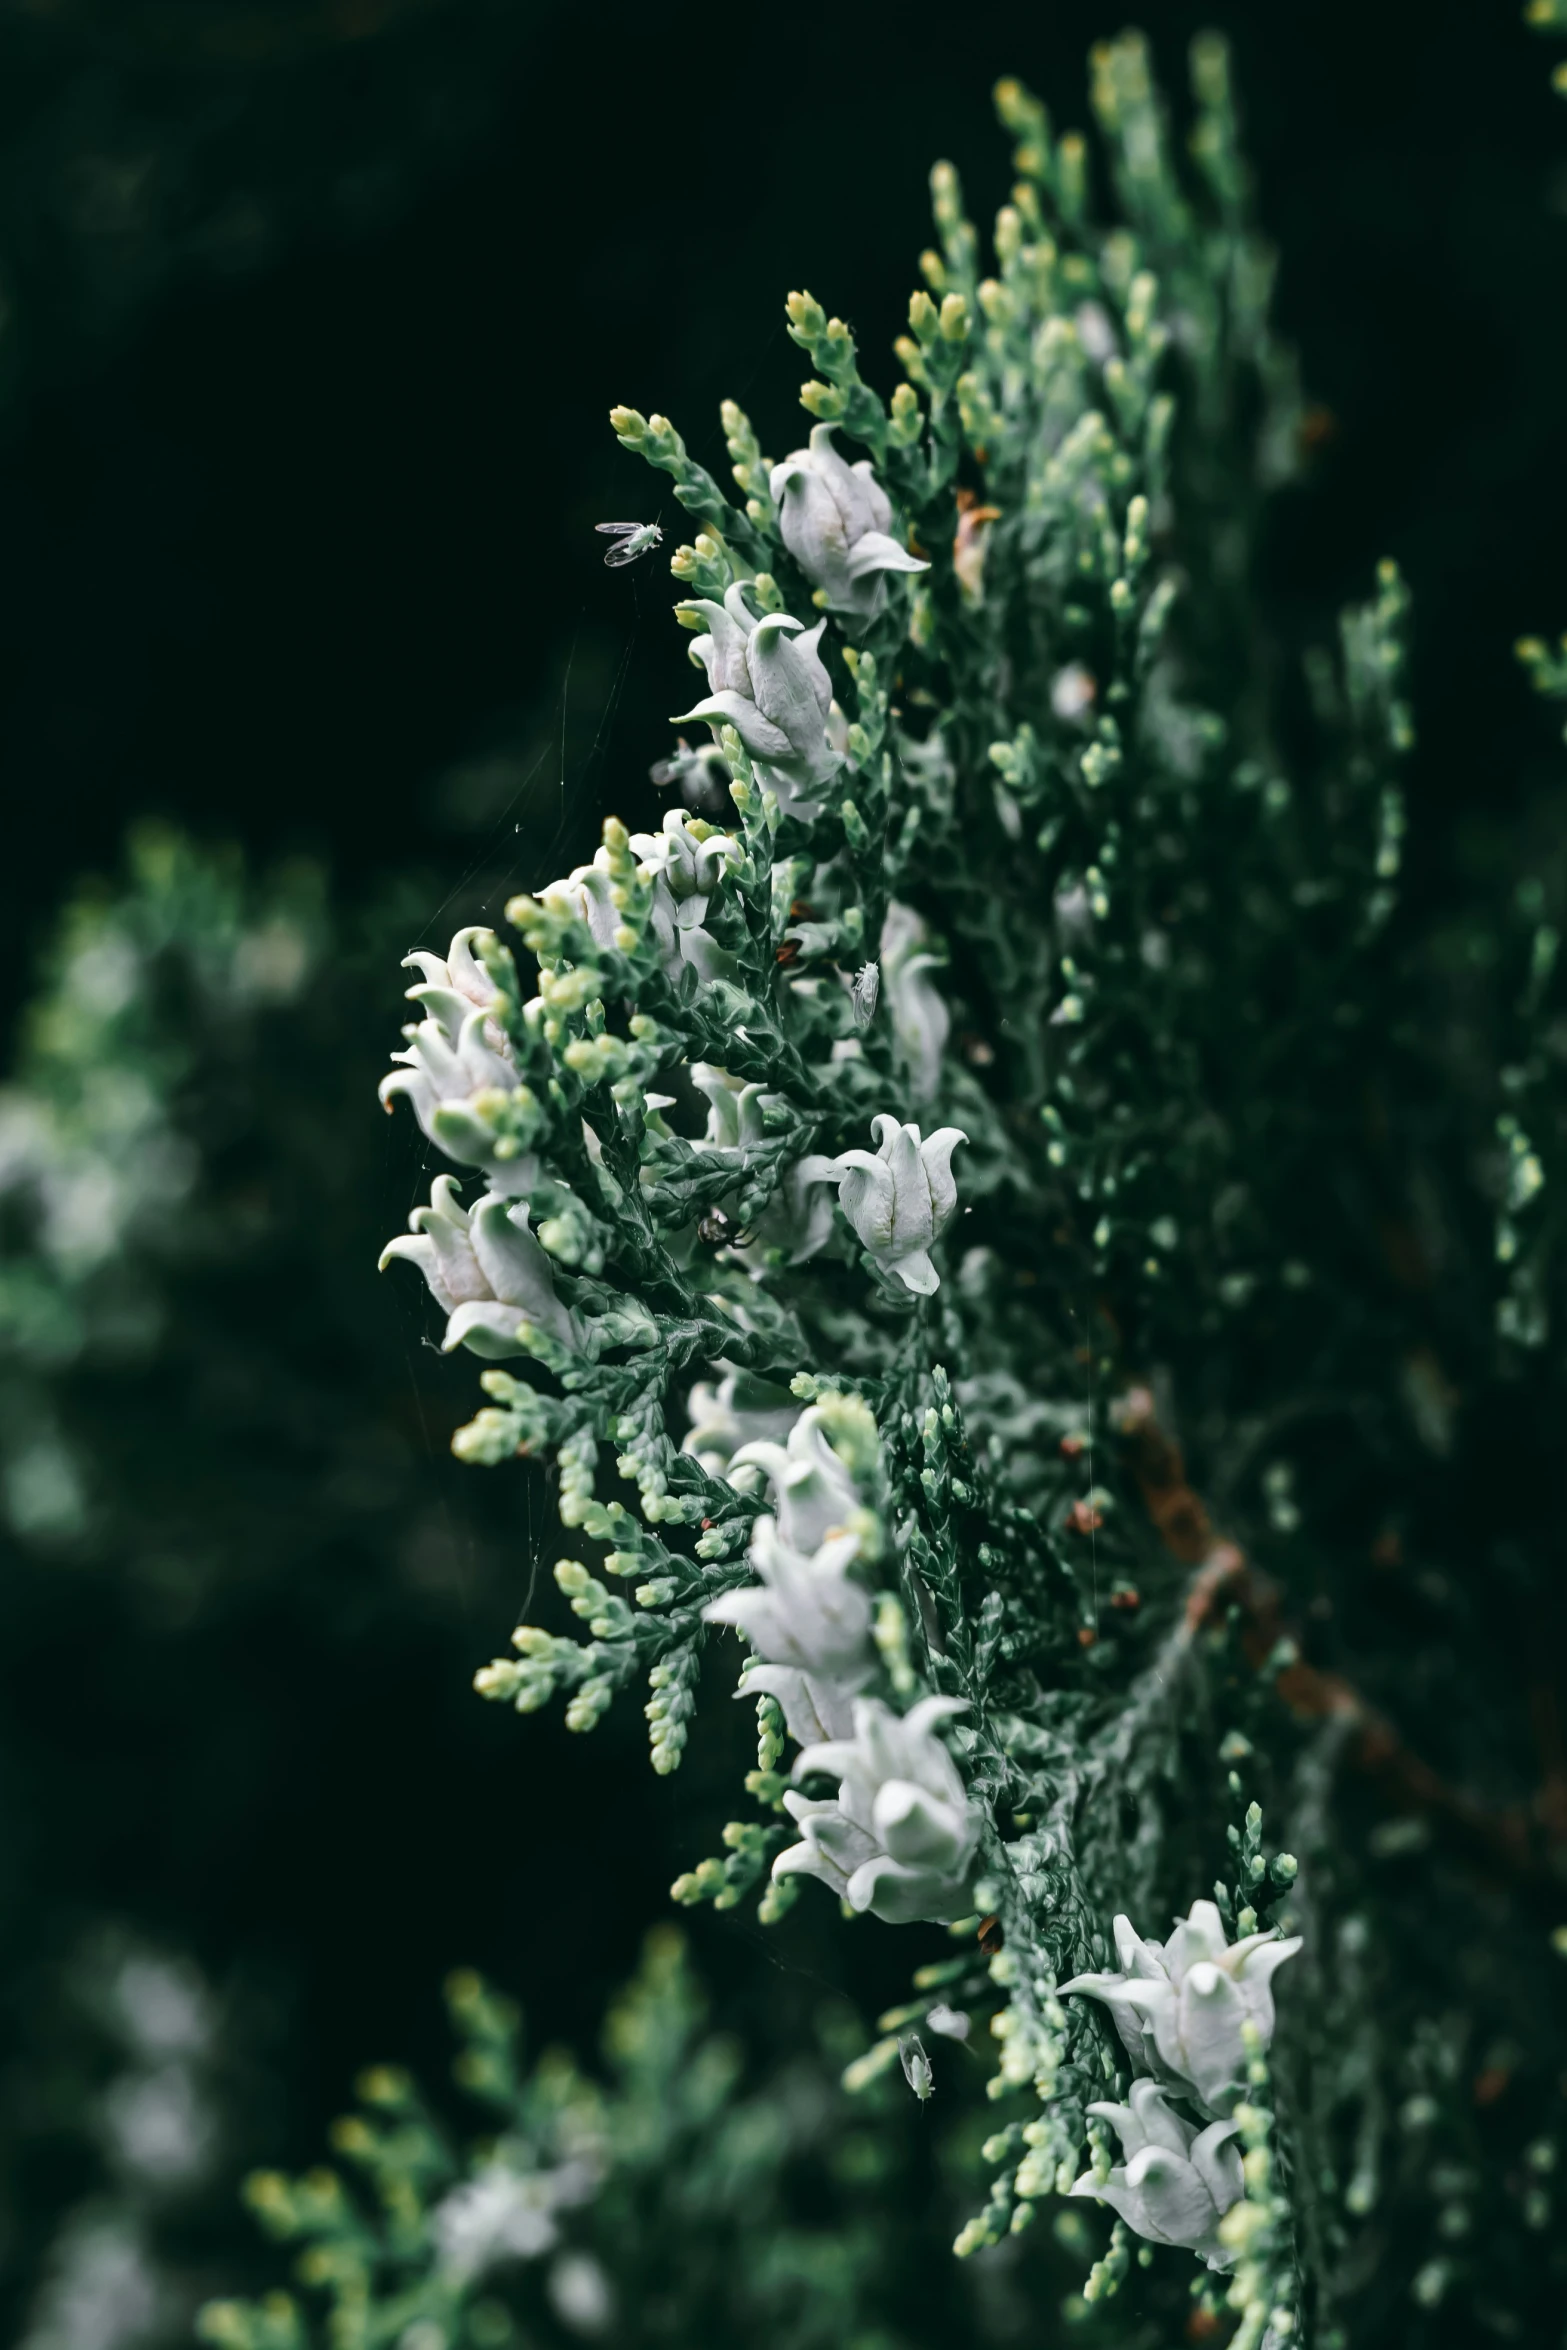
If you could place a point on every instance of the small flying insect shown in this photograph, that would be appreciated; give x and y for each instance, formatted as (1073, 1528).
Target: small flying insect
(863, 991)
(916, 2065)
(636, 538)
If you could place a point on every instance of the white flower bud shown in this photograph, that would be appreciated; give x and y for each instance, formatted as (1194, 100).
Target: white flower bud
(835, 519)
(921, 1022)
(581, 2294)
(1072, 691)
(701, 776)
(1175, 2181)
(1095, 332)
(898, 1199)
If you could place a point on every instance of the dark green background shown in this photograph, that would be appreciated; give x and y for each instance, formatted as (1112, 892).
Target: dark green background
(287, 533)
(314, 316)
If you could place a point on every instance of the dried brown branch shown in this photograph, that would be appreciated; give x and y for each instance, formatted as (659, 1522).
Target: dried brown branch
(1520, 1842)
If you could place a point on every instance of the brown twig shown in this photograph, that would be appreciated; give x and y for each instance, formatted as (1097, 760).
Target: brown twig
(1517, 1842)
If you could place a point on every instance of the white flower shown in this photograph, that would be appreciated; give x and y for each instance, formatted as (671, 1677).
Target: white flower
(798, 1217)
(487, 1272)
(581, 2294)
(899, 1199)
(1074, 914)
(1179, 2006)
(160, 2127)
(809, 1625)
(805, 1610)
(588, 892)
(457, 1065)
(163, 2006)
(686, 869)
(807, 1621)
(899, 1839)
(1175, 2182)
(740, 1410)
(734, 1109)
(1072, 691)
(103, 2290)
(920, 1019)
(1095, 332)
(835, 520)
(455, 984)
(701, 776)
(767, 681)
(501, 2214)
(814, 1495)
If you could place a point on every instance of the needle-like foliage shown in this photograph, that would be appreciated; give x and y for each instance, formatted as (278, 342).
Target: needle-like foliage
(1010, 1217)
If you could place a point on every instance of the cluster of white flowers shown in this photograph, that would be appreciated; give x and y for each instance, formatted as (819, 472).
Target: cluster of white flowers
(899, 1837)
(685, 862)
(897, 1200)
(807, 1620)
(1189, 2012)
(765, 675)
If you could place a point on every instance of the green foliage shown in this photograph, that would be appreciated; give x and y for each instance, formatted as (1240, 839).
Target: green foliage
(127, 2071)
(1549, 16)
(654, 2203)
(215, 1474)
(1068, 865)
(1166, 1415)
(96, 1175)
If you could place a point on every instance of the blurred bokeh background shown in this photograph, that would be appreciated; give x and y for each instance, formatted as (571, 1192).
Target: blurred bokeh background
(310, 315)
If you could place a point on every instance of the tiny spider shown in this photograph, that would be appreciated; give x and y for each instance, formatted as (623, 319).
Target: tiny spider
(636, 538)
(716, 1230)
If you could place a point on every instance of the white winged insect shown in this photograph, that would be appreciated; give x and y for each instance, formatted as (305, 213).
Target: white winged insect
(916, 2065)
(636, 538)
